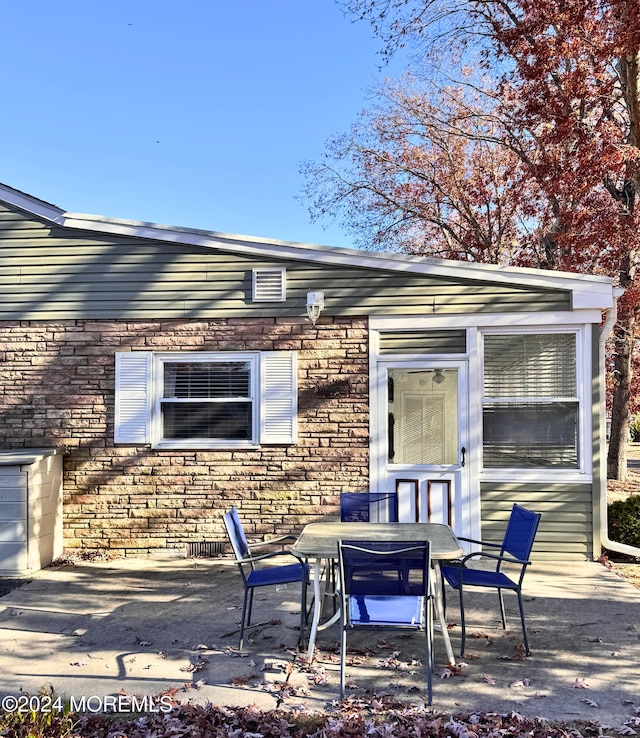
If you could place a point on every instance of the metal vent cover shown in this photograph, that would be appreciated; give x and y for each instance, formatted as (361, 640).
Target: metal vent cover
(269, 285)
(205, 549)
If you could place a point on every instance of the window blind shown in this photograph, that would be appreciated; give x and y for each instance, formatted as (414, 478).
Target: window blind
(536, 365)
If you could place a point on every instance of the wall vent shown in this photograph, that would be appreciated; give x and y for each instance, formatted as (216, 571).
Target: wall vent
(205, 549)
(269, 285)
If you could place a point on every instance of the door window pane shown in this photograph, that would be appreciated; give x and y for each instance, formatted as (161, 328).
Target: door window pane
(423, 416)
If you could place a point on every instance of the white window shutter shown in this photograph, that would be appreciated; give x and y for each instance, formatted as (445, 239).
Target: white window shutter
(133, 397)
(278, 397)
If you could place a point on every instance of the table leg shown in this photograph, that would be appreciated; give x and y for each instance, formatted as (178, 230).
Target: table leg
(439, 604)
(317, 609)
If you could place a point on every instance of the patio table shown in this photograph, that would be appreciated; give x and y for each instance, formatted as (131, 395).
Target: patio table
(319, 541)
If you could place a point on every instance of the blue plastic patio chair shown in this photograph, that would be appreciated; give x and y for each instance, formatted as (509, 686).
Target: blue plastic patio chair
(255, 575)
(515, 549)
(385, 585)
(368, 507)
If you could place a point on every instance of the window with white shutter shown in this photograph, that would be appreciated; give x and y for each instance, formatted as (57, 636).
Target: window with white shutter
(206, 400)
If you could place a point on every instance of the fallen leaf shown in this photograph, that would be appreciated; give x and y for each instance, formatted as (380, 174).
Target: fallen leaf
(453, 670)
(626, 730)
(580, 683)
(489, 680)
(589, 702)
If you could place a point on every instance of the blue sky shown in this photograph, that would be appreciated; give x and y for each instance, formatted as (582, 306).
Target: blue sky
(195, 113)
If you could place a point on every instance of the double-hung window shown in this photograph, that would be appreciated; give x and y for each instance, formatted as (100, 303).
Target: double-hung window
(206, 399)
(531, 407)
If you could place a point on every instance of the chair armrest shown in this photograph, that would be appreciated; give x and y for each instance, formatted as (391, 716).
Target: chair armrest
(495, 557)
(482, 543)
(270, 555)
(274, 541)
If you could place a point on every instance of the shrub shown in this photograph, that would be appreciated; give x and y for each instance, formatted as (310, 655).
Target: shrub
(634, 428)
(624, 521)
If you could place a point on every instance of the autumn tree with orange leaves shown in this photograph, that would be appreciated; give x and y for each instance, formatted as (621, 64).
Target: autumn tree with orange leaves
(514, 140)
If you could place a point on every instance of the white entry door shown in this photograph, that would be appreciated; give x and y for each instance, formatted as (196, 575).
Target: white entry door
(421, 441)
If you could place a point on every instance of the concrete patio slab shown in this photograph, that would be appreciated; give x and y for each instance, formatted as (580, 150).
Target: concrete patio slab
(170, 626)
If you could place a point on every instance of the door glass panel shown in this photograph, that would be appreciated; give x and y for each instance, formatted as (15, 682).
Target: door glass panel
(423, 416)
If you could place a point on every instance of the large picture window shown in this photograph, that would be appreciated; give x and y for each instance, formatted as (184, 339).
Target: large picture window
(530, 401)
(206, 400)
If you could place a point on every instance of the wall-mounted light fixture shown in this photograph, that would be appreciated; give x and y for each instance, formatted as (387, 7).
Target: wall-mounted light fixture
(315, 305)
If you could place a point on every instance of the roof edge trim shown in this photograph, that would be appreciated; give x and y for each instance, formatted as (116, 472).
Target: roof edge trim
(31, 204)
(341, 256)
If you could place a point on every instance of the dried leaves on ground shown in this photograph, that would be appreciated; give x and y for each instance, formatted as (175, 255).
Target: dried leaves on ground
(353, 718)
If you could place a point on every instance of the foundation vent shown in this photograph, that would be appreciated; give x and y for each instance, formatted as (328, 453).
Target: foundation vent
(205, 549)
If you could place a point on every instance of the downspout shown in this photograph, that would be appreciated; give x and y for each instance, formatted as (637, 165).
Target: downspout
(611, 316)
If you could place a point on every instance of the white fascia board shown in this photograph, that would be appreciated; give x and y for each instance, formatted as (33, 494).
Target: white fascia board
(483, 320)
(31, 204)
(588, 290)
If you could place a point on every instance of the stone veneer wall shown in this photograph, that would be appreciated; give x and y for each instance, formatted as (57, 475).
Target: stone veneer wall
(57, 390)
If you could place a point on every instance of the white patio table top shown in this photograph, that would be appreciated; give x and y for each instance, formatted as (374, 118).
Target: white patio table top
(320, 541)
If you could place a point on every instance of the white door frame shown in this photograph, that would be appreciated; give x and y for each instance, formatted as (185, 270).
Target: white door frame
(467, 518)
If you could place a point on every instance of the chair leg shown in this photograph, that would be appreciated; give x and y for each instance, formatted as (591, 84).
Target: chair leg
(462, 622)
(524, 627)
(444, 596)
(244, 613)
(303, 609)
(343, 659)
(429, 650)
(250, 608)
(502, 613)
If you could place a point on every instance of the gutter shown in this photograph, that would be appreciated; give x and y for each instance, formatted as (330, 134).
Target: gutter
(610, 320)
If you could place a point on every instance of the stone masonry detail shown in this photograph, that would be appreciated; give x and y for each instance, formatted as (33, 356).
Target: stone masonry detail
(57, 390)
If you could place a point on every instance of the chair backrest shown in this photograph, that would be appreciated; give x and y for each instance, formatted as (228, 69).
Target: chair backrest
(521, 532)
(368, 507)
(384, 569)
(236, 534)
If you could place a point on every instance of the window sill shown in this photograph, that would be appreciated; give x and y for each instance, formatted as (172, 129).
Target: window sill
(204, 446)
(541, 475)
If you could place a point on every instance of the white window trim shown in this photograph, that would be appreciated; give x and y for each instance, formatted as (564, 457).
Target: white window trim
(584, 471)
(139, 381)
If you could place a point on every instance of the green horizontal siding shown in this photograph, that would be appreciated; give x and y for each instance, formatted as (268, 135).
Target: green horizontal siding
(423, 342)
(566, 526)
(49, 272)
